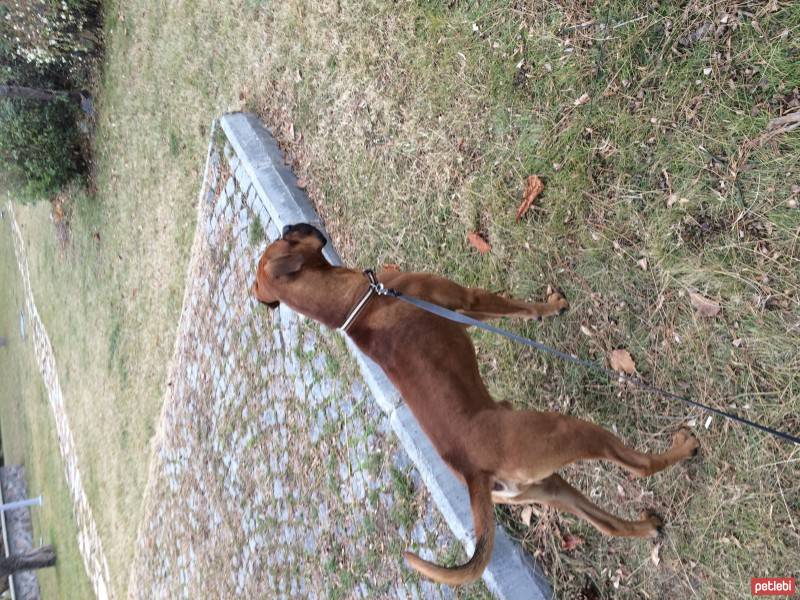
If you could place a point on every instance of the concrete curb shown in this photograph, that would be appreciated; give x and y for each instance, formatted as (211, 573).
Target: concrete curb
(511, 574)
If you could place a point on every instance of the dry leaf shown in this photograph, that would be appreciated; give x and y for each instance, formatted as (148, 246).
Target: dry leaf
(533, 187)
(586, 331)
(478, 242)
(526, 515)
(675, 199)
(654, 554)
(582, 100)
(570, 542)
(642, 264)
(704, 306)
(621, 360)
(616, 578)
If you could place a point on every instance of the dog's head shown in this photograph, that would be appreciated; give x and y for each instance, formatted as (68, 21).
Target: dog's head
(299, 245)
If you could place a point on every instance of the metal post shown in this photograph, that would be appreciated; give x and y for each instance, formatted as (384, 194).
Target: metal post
(21, 504)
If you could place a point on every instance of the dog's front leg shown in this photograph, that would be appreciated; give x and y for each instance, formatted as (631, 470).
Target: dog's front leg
(481, 304)
(486, 305)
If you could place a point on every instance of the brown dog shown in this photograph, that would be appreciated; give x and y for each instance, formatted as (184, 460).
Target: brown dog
(503, 456)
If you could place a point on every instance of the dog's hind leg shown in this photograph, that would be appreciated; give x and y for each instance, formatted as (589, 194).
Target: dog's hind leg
(684, 445)
(554, 491)
(539, 443)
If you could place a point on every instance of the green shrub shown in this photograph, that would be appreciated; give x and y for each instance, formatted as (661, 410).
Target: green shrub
(45, 44)
(54, 36)
(40, 145)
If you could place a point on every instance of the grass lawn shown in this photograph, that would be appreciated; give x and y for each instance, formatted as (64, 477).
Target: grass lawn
(109, 291)
(414, 123)
(29, 438)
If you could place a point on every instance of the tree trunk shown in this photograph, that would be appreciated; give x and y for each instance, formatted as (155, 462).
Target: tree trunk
(44, 556)
(82, 98)
(26, 93)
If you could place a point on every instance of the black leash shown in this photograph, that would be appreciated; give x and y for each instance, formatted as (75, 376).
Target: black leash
(452, 315)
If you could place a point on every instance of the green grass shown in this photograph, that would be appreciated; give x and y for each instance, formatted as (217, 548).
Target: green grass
(416, 122)
(256, 235)
(404, 512)
(29, 438)
(111, 297)
(442, 110)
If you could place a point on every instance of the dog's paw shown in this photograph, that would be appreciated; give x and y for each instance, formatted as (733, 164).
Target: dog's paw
(556, 297)
(655, 522)
(686, 441)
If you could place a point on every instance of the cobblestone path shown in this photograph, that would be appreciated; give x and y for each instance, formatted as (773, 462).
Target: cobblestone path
(274, 473)
(89, 542)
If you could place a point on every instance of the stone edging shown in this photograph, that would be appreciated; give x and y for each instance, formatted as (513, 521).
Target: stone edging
(511, 574)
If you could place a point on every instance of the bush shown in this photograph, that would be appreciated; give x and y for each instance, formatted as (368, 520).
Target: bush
(48, 44)
(40, 145)
(57, 37)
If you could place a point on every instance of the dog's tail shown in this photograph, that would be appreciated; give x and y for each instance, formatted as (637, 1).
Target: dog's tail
(480, 496)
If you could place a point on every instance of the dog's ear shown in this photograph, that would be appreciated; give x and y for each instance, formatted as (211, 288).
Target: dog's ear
(284, 265)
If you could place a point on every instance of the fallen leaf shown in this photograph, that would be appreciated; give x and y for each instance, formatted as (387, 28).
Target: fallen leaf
(775, 303)
(478, 242)
(58, 210)
(582, 100)
(526, 515)
(570, 542)
(675, 199)
(621, 360)
(642, 264)
(616, 578)
(533, 187)
(704, 306)
(654, 554)
(586, 331)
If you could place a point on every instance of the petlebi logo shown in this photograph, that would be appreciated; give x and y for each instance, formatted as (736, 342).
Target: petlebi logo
(772, 586)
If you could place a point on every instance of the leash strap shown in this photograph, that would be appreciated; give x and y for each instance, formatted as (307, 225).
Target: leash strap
(452, 315)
